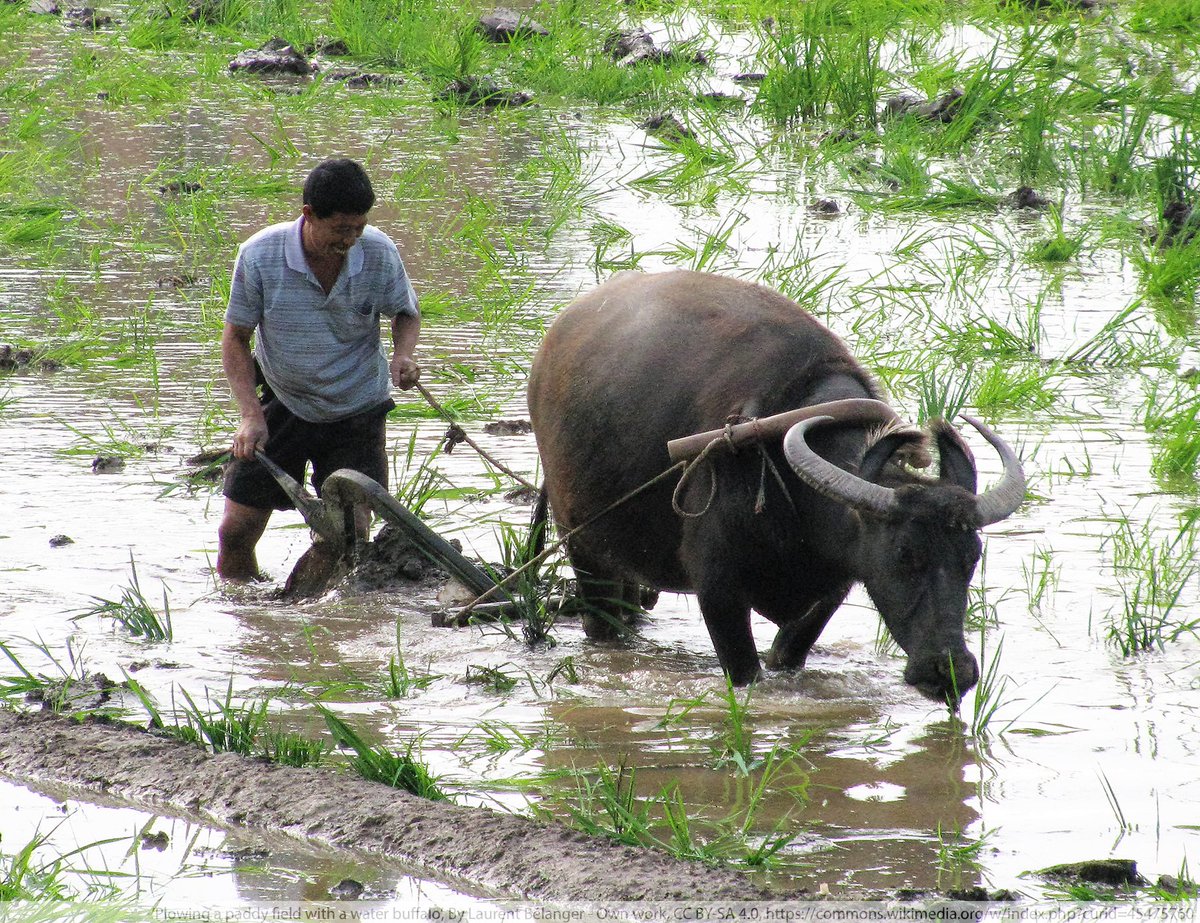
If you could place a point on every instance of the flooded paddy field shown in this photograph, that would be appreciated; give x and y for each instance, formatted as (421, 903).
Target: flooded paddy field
(132, 162)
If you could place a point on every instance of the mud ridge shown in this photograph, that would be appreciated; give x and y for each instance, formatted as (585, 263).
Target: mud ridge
(491, 852)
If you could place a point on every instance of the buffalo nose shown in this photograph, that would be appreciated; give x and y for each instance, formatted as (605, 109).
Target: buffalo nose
(945, 676)
(959, 672)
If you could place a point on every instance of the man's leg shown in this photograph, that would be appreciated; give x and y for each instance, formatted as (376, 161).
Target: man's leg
(360, 444)
(241, 528)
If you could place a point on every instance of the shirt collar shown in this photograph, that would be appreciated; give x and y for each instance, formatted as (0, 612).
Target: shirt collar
(293, 252)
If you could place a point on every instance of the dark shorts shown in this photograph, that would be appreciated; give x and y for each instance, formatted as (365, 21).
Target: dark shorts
(356, 442)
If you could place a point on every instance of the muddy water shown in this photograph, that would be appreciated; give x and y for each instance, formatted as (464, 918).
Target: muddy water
(176, 864)
(1089, 753)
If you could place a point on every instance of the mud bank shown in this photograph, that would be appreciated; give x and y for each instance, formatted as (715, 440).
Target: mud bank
(481, 850)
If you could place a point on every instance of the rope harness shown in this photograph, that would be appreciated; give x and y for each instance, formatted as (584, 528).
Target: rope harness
(456, 435)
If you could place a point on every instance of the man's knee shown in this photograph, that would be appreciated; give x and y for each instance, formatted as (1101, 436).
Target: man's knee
(242, 525)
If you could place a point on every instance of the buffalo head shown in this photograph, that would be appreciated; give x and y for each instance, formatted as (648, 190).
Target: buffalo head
(918, 540)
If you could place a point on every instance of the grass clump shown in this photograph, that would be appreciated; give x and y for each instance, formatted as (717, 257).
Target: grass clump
(1152, 574)
(379, 764)
(230, 727)
(607, 804)
(133, 612)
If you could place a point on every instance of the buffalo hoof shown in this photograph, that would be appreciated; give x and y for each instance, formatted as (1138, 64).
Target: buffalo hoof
(605, 626)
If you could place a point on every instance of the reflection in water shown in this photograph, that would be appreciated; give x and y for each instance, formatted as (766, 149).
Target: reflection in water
(845, 837)
(176, 863)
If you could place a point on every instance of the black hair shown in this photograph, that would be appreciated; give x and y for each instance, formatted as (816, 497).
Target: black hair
(338, 185)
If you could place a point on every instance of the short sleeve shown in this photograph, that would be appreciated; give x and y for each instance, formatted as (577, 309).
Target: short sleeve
(401, 298)
(245, 307)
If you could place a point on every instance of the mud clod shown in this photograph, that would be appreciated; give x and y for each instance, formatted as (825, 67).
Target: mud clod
(1114, 873)
(482, 91)
(108, 464)
(503, 25)
(508, 428)
(1026, 197)
(347, 890)
(157, 841)
(275, 57)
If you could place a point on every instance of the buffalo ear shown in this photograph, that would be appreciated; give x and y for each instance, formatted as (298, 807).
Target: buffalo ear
(907, 442)
(956, 464)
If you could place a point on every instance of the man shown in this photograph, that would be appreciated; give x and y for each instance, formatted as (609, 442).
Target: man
(311, 293)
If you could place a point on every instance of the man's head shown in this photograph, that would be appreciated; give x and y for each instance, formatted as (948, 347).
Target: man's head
(338, 185)
(337, 197)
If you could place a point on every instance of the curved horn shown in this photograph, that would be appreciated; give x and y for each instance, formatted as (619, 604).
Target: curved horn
(828, 479)
(1005, 498)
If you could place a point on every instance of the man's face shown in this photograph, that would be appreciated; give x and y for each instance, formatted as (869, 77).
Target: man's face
(334, 234)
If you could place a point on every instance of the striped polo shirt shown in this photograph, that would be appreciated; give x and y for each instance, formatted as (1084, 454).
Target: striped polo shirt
(321, 354)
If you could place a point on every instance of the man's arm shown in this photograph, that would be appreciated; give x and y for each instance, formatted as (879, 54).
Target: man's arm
(238, 363)
(405, 330)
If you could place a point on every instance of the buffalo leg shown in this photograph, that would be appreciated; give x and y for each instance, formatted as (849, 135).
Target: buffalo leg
(728, 622)
(607, 604)
(797, 635)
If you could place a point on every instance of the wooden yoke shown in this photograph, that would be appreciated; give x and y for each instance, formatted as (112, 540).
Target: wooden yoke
(850, 411)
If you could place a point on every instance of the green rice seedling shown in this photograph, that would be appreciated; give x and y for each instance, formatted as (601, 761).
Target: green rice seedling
(133, 612)
(27, 878)
(400, 681)
(737, 743)
(982, 610)
(947, 195)
(534, 583)
(146, 700)
(942, 396)
(988, 695)
(958, 857)
(502, 737)
(1177, 445)
(1005, 387)
(1123, 824)
(821, 58)
(715, 247)
(61, 694)
(678, 711)
(1152, 574)
(608, 806)
(379, 764)
(905, 170)
(1161, 17)
(291, 748)
(1041, 576)
(779, 772)
(1171, 272)
(1107, 157)
(885, 645)
(1176, 888)
(500, 681)
(457, 55)
(1060, 246)
(229, 728)
(801, 277)
(1114, 344)
(1034, 149)
(416, 487)
(991, 87)
(565, 669)
(31, 224)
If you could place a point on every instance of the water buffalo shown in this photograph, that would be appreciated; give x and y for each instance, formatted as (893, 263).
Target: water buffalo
(789, 525)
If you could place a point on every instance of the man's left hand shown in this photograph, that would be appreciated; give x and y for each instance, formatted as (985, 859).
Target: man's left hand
(405, 371)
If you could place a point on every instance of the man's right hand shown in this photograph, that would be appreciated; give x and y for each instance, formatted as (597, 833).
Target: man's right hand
(250, 437)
